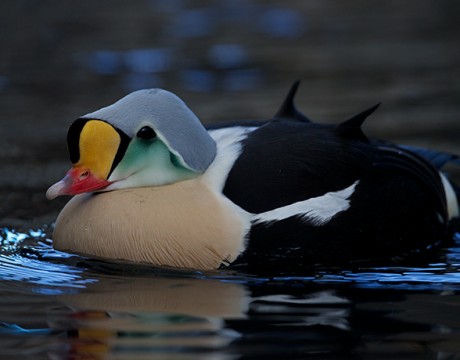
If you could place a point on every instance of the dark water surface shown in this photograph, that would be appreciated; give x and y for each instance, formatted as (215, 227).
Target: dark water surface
(60, 306)
(227, 60)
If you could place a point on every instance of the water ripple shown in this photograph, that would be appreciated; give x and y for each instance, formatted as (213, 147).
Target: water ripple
(29, 258)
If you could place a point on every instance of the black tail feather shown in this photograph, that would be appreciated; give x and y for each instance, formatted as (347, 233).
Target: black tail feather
(288, 109)
(352, 127)
(438, 158)
(419, 168)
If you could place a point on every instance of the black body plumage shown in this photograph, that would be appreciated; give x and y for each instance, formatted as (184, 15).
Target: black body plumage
(398, 206)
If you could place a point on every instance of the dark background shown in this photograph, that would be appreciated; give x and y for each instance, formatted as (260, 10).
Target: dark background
(227, 60)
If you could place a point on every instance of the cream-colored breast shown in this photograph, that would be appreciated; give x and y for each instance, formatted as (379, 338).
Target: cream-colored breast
(181, 225)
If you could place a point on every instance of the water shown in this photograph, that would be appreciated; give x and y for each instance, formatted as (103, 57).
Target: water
(62, 306)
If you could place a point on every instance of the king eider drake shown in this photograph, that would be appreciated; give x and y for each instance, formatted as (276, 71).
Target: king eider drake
(153, 185)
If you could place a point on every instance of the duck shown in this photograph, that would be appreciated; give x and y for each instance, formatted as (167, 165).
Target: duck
(151, 184)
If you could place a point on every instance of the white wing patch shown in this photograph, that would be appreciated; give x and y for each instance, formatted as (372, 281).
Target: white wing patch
(229, 148)
(451, 197)
(317, 211)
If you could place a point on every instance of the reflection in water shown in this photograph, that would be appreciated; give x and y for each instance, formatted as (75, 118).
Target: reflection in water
(204, 298)
(63, 306)
(164, 316)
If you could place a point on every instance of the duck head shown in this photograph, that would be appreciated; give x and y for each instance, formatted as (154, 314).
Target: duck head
(148, 138)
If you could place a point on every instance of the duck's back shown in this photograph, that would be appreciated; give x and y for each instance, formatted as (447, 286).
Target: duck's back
(398, 204)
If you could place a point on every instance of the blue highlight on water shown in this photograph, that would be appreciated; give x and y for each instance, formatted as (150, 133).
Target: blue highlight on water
(4, 82)
(184, 51)
(29, 258)
(281, 23)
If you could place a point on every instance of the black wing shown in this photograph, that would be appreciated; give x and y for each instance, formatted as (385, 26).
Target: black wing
(285, 161)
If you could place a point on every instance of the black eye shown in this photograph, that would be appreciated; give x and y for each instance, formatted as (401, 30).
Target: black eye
(146, 133)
